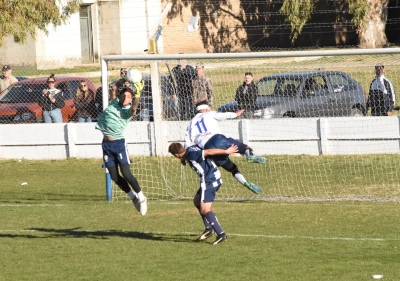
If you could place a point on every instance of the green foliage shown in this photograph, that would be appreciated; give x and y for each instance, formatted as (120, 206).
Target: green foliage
(360, 10)
(297, 13)
(22, 17)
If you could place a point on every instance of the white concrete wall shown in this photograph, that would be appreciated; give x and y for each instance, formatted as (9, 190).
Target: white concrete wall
(313, 136)
(120, 27)
(16, 54)
(61, 47)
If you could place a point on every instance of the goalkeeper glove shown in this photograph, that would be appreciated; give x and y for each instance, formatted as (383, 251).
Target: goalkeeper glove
(139, 88)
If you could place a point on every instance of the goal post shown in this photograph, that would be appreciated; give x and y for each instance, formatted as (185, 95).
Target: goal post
(312, 156)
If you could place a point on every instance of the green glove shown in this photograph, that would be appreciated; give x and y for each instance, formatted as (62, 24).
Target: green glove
(139, 88)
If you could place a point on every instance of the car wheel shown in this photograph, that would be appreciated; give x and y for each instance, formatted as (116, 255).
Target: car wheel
(289, 115)
(355, 112)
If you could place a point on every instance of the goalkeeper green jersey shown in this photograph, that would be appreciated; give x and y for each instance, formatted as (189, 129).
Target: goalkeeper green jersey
(114, 120)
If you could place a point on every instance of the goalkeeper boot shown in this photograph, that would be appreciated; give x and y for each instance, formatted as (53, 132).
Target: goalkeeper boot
(220, 238)
(208, 232)
(257, 159)
(143, 206)
(136, 203)
(253, 187)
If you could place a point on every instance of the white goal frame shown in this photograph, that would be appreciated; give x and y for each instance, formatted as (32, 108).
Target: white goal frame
(155, 59)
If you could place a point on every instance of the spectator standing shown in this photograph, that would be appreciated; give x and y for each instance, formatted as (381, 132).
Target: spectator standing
(381, 96)
(202, 87)
(84, 103)
(7, 79)
(246, 95)
(51, 102)
(184, 75)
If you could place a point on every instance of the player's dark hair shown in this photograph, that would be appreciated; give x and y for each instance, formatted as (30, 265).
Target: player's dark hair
(248, 73)
(121, 94)
(127, 89)
(176, 148)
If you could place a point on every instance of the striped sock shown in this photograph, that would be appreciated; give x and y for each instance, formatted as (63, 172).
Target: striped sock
(212, 219)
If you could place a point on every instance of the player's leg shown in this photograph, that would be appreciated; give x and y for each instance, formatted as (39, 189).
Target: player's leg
(244, 149)
(223, 142)
(231, 167)
(140, 201)
(116, 153)
(207, 198)
(208, 231)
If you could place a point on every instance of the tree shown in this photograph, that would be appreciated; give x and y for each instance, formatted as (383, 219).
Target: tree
(22, 17)
(371, 28)
(369, 18)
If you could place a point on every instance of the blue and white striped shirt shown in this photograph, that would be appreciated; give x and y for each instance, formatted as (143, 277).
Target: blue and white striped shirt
(204, 167)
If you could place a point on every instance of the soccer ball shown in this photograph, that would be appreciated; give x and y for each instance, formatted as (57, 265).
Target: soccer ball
(133, 76)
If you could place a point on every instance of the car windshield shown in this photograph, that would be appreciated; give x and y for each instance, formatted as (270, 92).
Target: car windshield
(22, 93)
(279, 86)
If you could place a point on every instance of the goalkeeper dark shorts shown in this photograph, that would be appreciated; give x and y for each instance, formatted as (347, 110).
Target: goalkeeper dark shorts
(115, 152)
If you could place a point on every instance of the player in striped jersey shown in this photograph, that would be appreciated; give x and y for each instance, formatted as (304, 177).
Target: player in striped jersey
(210, 182)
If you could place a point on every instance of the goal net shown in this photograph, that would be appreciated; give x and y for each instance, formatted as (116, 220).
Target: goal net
(311, 118)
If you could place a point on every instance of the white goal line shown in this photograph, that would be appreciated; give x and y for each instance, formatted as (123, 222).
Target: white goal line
(295, 237)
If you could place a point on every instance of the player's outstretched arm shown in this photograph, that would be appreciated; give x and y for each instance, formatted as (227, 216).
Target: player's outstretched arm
(215, 151)
(227, 115)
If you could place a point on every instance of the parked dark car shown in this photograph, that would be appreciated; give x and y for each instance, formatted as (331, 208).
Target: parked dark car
(169, 99)
(18, 103)
(306, 94)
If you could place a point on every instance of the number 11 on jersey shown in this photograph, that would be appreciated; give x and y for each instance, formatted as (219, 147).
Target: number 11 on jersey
(201, 126)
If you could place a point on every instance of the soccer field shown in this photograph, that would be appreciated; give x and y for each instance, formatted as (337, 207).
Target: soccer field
(59, 227)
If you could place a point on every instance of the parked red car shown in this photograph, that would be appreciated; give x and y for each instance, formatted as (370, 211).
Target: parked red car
(18, 103)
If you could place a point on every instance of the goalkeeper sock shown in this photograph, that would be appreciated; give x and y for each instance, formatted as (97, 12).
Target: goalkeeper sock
(240, 178)
(141, 196)
(131, 194)
(248, 152)
(212, 219)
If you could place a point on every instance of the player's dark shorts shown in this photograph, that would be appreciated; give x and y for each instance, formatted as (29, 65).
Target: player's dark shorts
(223, 142)
(208, 193)
(115, 152)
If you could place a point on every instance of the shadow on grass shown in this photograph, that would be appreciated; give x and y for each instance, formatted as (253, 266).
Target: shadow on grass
(98, 234)
(50, 197)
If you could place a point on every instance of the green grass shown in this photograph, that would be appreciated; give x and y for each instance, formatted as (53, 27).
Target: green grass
(59, 227)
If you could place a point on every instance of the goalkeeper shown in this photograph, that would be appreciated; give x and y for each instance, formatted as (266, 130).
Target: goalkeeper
(112, 123)
(203, 130)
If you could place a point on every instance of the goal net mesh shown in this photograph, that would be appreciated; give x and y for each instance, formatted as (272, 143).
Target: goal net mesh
(287, 125)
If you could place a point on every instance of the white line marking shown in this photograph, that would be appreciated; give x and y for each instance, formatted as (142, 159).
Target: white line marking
(304, 237)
